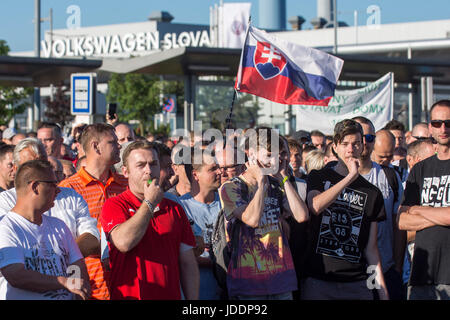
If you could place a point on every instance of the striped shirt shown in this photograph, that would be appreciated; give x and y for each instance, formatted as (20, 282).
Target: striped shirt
(95, 194)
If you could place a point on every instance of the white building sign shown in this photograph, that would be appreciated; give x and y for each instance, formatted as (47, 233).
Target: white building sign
(126, 43)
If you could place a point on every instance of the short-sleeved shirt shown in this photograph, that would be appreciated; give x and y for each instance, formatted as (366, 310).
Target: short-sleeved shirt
(69, 206)
(264, 262)
(150, 271)
(339, 235)
(95, 194)
(204, 216)
(48, 248)
(428, 185)
(385, 236)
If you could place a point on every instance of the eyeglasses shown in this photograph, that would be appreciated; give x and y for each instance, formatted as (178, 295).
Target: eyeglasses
(438, 123)
(369, 138)
(53, 182)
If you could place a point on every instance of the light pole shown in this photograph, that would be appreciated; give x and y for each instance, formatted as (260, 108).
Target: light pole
(37, 53)
(335, 25)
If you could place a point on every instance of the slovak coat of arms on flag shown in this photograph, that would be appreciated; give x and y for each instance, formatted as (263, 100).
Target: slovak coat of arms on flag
(268, 60)
(285, 72)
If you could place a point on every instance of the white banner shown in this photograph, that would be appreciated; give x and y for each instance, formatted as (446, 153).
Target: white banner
(375, 102)
(234, 23)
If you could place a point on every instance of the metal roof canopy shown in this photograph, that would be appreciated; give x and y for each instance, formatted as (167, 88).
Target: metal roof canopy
(41, 72)
(225, 62)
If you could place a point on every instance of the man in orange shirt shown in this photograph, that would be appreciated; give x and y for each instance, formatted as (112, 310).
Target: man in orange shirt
(96, 182)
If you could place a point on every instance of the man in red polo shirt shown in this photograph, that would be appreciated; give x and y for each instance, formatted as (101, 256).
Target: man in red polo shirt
(96, 182)
(149, 237)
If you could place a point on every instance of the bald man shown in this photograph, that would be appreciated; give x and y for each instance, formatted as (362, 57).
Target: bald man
(419, 150)
(383, 150)
(124, 133)
(419, 131)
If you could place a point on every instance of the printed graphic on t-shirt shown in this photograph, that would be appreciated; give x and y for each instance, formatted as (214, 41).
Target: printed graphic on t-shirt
(264, 261)
(341, 225)
(435, 191)
(45, 260)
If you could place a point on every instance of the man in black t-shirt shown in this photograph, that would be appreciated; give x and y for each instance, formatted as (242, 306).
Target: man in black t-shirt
(425, 209)
(343, 261)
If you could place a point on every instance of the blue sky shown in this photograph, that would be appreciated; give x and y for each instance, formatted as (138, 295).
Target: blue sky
(17, 29)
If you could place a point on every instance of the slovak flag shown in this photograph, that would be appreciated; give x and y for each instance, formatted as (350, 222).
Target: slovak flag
(286, 73)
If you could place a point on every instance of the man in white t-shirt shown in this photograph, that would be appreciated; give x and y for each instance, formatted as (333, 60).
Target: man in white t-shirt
(39, 259)
(69, 205)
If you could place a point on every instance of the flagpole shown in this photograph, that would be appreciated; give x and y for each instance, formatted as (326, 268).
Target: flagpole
(239, 75)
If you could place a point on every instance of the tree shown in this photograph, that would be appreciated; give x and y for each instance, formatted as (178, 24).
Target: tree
(213, 105)
(138, 96)
(13, 100)
(58, 107)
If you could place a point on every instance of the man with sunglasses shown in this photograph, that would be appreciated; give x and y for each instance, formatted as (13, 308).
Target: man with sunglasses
(425, 209)
(391, 242)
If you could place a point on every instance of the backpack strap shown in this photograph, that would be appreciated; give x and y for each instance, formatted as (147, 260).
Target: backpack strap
(236, 226)
(391, 176)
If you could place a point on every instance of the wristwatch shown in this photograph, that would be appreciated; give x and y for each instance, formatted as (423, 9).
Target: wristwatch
(149, 205)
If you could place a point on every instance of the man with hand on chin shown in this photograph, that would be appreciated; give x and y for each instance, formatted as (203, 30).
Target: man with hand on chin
(343, 261)
(262, 266)
(149, 237)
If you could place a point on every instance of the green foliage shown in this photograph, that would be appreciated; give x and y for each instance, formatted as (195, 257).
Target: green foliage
(214, 103)
(58, 108)
(138, 96)
(13, 100)
(163, 129)
(4, 48)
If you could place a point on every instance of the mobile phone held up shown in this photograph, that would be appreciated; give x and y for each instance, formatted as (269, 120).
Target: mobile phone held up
(112, 110)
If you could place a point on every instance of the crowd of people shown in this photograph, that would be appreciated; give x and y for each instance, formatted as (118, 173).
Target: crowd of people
(106, 214)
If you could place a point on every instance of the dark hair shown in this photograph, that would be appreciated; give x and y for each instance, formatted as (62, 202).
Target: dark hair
(77, 131)
(5, 149)
(162, 149)
(442, 103)
(189, 167)
(329, 150)
(364, 120)
(395, 125)
(31, 134)
(51, 125)
(344, 128)
(317, 133)
(31, 170)
(294, 144)
(308, 148)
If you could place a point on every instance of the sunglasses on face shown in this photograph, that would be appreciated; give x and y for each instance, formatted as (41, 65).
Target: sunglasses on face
(369, 138)
(421, 138)
(438, 123)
